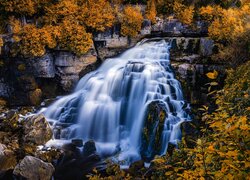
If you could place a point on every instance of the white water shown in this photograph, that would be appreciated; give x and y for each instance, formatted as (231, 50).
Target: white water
(109, 104)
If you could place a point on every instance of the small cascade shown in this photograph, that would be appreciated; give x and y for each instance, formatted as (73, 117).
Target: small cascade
(110, 104)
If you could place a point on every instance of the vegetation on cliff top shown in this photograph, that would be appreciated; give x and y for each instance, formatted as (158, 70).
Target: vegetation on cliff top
(70, 24)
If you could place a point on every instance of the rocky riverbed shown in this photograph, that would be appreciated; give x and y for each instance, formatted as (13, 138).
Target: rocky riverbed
(23, 153)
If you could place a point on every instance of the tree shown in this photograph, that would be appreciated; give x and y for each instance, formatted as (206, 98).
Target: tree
(230, 23)
(183, 13)
(151, 11)
(74, 37)
(20, 7)
(131, 20)
(96, 15)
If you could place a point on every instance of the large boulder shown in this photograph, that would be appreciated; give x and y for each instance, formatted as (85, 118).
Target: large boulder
(152, 130)
(89, 148)
(33, 168)
(36, 130)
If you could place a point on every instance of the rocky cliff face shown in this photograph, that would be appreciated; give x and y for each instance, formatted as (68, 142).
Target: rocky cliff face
(28, 81)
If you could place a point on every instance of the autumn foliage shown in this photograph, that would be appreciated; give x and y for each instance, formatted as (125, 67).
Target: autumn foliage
(227, 24)
(131, 20)
(151, 11)
(66, 24)
(183, 13)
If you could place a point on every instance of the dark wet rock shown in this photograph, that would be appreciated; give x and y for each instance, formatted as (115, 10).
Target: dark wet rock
(36, 130)
(171, 148)
(73, 164)
(76, 168)
(77, 142)
(136, 167)
(34, 169)
(152, 131)
(5, 88)
(189, 133)
(27, 83)
(89, 148)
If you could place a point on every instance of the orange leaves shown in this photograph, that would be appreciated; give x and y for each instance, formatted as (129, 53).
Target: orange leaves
(55, 13)
(227, 24)
(96, 14)
(74, 38)
(31, 41)
(183, 13)
(212, 75)
(23, 7)
(210, 12)
(151, 11)
(131, 20)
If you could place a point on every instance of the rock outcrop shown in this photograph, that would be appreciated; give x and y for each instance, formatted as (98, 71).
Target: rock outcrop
(20, 136)
(36, 130)
(152, 131)
(33, 168)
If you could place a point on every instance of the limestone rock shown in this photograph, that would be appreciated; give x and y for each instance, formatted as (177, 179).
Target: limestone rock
(206, 47)
(36, 130)
(44, 66)
(34, 169)
(64, 59)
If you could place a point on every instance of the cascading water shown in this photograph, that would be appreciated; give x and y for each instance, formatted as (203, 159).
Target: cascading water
(109, 104)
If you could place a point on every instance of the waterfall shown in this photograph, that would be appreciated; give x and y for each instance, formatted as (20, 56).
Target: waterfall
(109, 104)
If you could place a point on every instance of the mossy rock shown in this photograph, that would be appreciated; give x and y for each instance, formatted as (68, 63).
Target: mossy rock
(35, 96)
(152, 130)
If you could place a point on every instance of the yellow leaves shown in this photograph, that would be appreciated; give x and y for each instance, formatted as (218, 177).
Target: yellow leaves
(23, 7)
(97, 14)
(232, 153)
(212, 75)
(211, 148)
(151, 11)
(227, 24)
(131, 21)
(74, 37)
(31, 44)
(184, 13)
(159, 161)
(210, 12)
